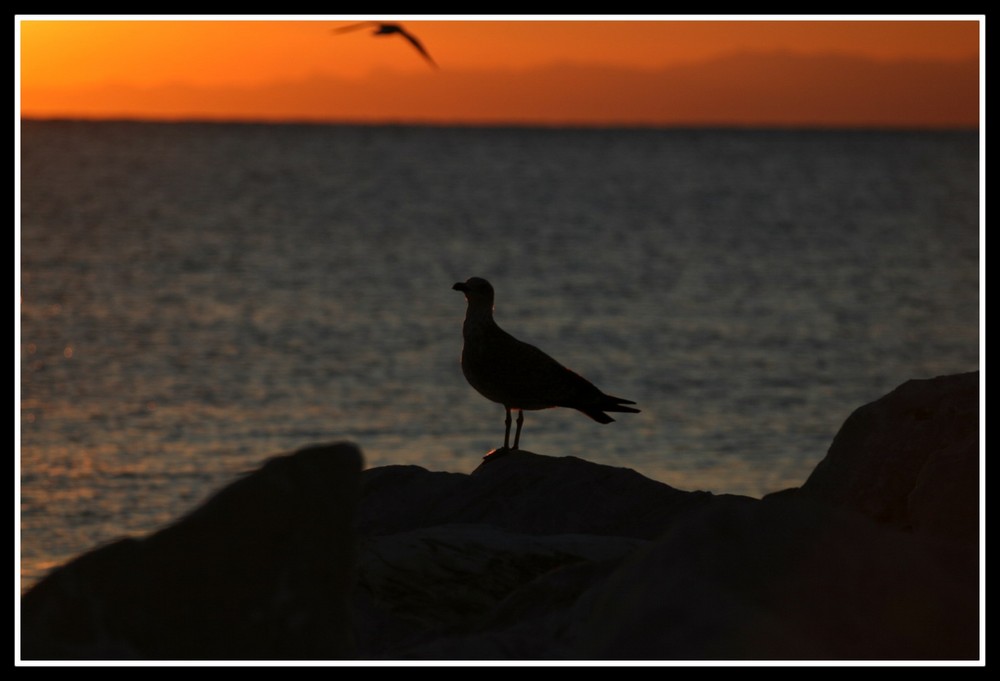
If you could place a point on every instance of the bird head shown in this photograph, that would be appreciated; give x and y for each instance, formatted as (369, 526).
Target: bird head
(477, 291)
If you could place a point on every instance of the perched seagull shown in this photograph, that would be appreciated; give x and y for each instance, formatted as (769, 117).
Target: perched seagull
(520, 376)
(389, 29)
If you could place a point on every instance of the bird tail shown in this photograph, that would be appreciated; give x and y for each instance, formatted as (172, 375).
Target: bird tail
(614, 404)
(597, 415)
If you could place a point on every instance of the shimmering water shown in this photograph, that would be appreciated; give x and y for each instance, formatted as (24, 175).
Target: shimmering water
(197, 297)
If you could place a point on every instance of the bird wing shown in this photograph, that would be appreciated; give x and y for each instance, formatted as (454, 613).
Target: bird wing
(354, 27)
(517, 374)
(416, 43)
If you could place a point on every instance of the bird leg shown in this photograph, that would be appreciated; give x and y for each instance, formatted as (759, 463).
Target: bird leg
(520, 422)
(506, 434)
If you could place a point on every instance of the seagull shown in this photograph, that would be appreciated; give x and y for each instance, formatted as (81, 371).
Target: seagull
(520, 376)
(389, 29)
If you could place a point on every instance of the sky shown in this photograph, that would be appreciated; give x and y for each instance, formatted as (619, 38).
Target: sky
(556, 70)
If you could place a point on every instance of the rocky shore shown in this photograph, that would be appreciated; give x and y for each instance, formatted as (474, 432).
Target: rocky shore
(530, 557)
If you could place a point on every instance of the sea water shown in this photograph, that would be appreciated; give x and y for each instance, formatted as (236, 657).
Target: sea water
(198, 297)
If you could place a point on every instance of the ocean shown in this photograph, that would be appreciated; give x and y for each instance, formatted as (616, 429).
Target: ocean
(197, 297)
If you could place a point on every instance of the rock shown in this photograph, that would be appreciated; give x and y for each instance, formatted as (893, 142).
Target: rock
(910, 459)
(786, 579)
(783, 579)
(524, 492)
(531, 620)
(436, 581)
(446, 555)
(263, 570)
(542, 558)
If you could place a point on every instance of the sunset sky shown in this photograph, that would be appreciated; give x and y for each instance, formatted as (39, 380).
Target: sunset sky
(890, 72)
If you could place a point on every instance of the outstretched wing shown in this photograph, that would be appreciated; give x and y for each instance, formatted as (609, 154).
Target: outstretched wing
(389, 29)
(416, 43)
(354, 27)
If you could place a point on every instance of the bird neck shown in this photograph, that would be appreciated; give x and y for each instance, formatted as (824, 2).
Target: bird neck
(477, 319)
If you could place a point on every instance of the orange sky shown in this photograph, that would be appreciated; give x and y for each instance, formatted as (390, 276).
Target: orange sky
(298, 69)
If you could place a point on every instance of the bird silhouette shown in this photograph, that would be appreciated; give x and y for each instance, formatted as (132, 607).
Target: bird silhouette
(518, 375)
(390, 29)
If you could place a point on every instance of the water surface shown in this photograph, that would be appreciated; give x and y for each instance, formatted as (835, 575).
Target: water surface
(198, 297)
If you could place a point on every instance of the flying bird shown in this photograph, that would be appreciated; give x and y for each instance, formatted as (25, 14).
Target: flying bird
(390, 29)
(520, 376)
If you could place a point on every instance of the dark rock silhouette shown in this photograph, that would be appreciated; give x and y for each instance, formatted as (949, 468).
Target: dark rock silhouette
(531, 557)
(910, 459)
(528, 493)
(785, 579)
(260, 571)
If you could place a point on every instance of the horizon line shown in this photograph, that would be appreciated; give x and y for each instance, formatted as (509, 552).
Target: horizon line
(499, 123)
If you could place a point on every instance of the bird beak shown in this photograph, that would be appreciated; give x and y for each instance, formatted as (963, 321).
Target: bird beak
(460, 286)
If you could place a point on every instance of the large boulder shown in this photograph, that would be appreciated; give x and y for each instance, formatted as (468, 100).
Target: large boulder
(786, 579)
(449, 559)
(520, 491)
(263, 570)
(419, 586)
(910, 459)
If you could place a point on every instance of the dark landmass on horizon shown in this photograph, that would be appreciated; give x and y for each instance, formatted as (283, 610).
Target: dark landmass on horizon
(735, 90)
